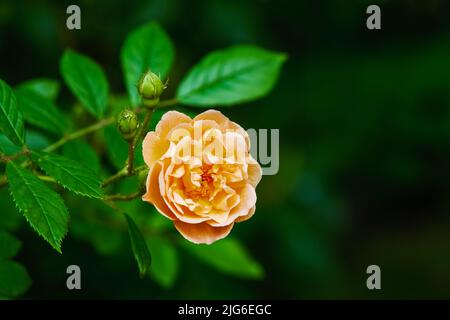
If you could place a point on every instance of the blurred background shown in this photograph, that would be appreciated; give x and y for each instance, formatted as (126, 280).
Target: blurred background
(364, 119)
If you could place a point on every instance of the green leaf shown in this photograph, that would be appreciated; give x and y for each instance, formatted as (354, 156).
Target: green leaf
(228, 256)
(87, 81)
(40, 112)
(83, 153)
(42, 207)
(70, 174)
(9, 245)
(11, 119)
(234, 75)
(7, 147)
(36, 140)
(140, 250)
(45, 88)
(147, 47)
(14, 279)
(165, 264)
(10, 219)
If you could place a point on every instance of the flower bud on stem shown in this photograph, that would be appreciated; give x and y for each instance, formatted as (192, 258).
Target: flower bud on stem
(150, 88)
(128, 124)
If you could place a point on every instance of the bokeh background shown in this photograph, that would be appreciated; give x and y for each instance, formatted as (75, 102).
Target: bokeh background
(364, 119)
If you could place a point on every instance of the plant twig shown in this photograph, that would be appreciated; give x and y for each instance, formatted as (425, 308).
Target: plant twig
(139, 136)
(123, 197)
(120, 174)
(130, 160)
(101, 124)
(167, 103)
(23, 152)
(143, 129)
(94, 127)
(76, 134)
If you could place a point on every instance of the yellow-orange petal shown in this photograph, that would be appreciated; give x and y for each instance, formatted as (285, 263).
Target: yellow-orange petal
(254, 174)
(153, 148)
(153, 194)
(169, 121)
(247, 201)
(214, 115)
(202, 232)
(248, 216)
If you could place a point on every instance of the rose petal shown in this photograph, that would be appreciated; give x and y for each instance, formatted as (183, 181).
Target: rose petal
(254, 174)
(214, 115)
(202, 232)
(170, 120)
(248, 216)
(153, 148)
(153, 195)
(247, 201)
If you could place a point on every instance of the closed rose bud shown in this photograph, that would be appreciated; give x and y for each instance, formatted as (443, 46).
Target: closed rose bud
(127, 123)
(150, 88)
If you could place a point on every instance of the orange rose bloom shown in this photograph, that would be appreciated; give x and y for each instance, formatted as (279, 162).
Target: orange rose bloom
(202, 176)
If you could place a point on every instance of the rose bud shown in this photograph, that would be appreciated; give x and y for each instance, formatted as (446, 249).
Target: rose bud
(150, 88)
(127, 123)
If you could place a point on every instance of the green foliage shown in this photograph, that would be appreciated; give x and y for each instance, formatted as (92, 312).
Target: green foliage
(116, 146)
(46, 88)
(165, 263)
(14, 279)
(11, 119)
(231, 76)
(7, 147)
(40, 111)
(9, 245)
(146, 48)
(140, 250)
(70, 174)
(34, 141)
(10, 219)
(42, 207)
(226, 77)
(228, 256)
(87, 81)
(83, 153)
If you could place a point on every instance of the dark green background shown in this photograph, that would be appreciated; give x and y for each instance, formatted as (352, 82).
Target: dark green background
(364, 119)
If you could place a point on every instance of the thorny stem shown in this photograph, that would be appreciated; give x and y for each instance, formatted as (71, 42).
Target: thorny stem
(143, 129)
(167, 103)
(84, 131)
(80, 133)
(122, 174)
(23, 152)
(123, 197)
(133, 143)
(130, 160)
